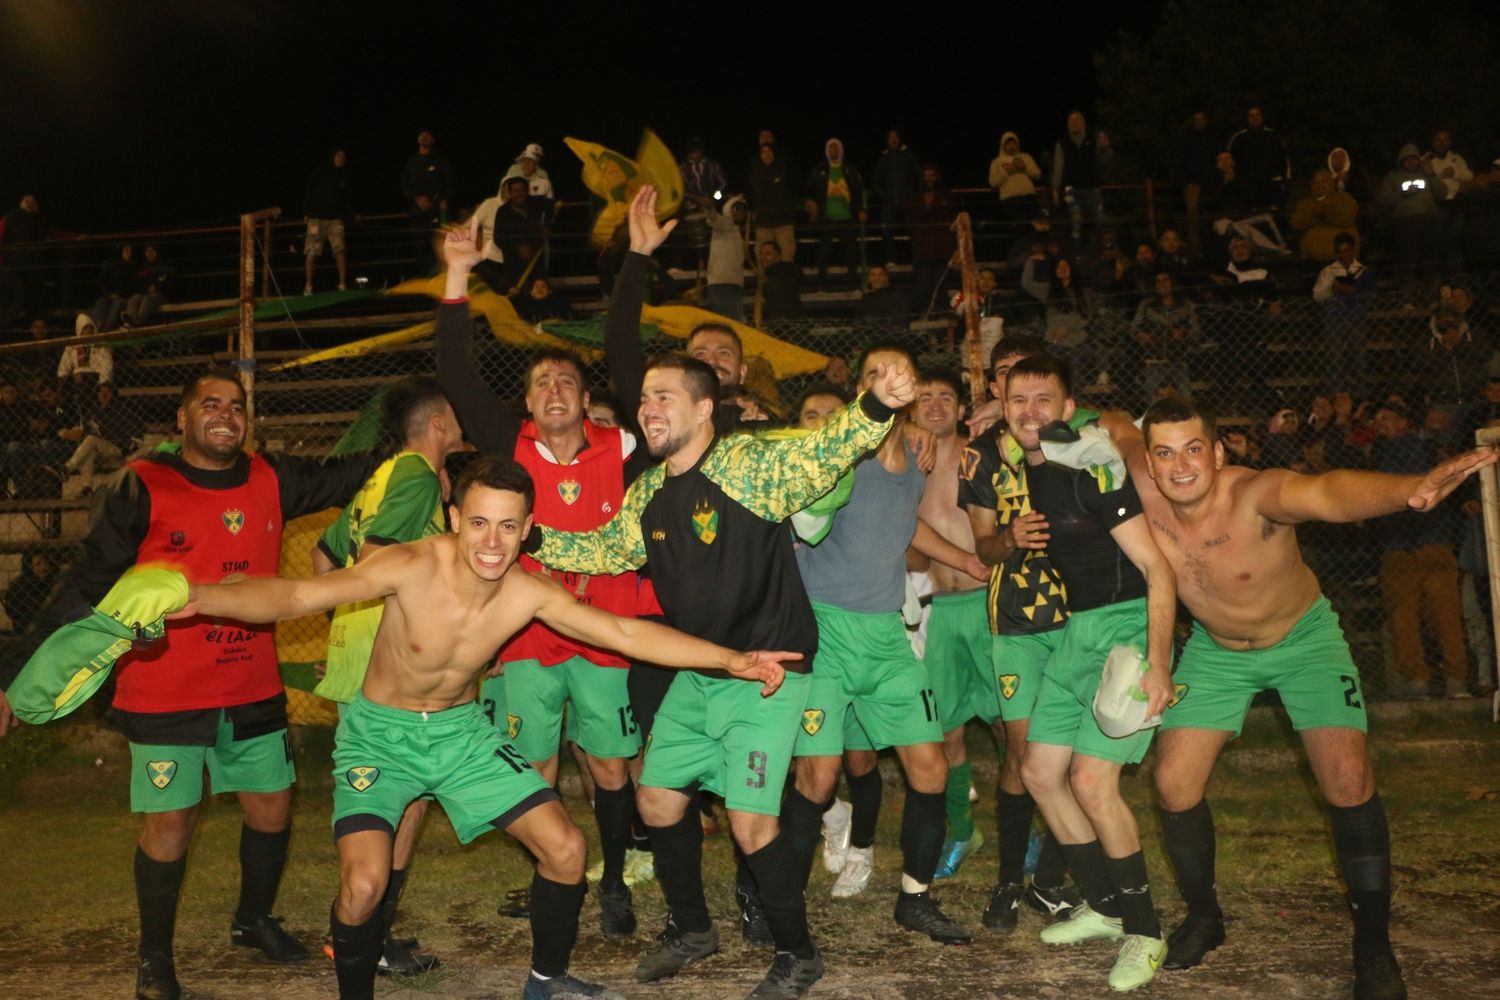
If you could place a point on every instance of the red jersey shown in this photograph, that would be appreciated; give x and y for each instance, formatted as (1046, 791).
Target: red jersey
(208, 534)
(577, 497)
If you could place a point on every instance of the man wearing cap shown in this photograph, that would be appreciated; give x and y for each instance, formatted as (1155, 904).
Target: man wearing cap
(1260, 622)
(527, 165)
(1120, 592)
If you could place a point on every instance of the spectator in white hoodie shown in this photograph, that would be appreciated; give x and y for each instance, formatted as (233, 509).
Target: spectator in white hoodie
(1014, 174)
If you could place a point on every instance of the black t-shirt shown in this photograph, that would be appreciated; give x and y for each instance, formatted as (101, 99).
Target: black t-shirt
(1080, 517)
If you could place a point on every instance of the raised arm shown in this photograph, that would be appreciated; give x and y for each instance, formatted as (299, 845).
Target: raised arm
(481, 413)
(1349, 495)
(1134, 538)
(274, 598)
(622, 323)
(643, 640)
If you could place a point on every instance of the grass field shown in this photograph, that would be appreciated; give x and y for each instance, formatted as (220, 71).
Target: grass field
(67, 926)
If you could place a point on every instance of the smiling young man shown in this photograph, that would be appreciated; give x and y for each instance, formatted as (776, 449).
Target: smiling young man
(710, 518)
(415, 728)
(211, 695)
(1120, 593)
(580, 469)
(1261, 622)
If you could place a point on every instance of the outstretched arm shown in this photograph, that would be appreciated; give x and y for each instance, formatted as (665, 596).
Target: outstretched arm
(1349, 495)
(643, 640)
(274, 598)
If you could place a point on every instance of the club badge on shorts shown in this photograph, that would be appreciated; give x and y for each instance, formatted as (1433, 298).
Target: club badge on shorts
(1179, 692)
(1008, 685)
(161, 771)
(812, 720)
(234, 520)
(705, 522)
(361, 778)
(569, 490)
(512, 725)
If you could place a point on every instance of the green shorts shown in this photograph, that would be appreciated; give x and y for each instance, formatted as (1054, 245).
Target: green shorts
(865, 667)
(718, 732)
(1311, 669)
(492, 703)
(959, 658)
(1064, 712)
(602, 720)
(164, 777)
(384, 758)
(1019, 661)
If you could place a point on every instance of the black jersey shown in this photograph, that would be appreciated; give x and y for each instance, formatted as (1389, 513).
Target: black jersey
(1080, 513)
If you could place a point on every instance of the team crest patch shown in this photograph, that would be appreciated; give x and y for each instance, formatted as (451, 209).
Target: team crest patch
(361, 778)
(1179, 692)
(812, 720)
(569, 490)
(705, 522)
(179, 538)
(161, 771)
(234, 520)
(1008, 685)
(512, 725)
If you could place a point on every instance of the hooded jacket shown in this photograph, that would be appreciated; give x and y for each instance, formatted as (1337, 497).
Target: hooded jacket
(726, 247)
(1410, 194)
(817, 181)
(1019, 181)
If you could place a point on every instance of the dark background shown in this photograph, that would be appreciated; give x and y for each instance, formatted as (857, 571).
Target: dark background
(134, 114)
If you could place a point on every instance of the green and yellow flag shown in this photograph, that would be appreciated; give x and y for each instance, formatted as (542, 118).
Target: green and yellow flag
(615, 178)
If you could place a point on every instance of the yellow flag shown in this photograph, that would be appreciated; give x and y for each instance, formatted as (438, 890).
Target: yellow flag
(615, 178)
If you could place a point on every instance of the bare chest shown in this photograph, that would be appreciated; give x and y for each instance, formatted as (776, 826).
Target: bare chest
(1227, 560)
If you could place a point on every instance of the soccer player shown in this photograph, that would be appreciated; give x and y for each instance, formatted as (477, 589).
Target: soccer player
(1026, 608)
(401, 502)
(212, 694)
(580, 469)
(1119, 592)
(710, 520)
(959, 650)
(1261, 622)
(449, 602)
(868, 689)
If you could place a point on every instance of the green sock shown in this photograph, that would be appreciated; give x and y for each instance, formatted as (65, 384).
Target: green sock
(960, 810)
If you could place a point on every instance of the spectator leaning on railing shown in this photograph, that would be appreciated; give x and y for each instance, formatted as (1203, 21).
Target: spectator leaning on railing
(325, 206)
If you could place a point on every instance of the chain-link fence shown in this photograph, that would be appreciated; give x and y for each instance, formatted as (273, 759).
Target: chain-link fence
(1298, 382)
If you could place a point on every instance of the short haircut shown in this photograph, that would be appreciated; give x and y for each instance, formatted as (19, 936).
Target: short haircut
(561, 355)
(1016, 343)
(701, 380)
(512, 182)
(947, 376)
(878, 347)
(214, 372)
(1179, 410)
(821, 389)
(716, 327)
(1344, 240)
(407, 405)
(495, 472)
(1043, 366)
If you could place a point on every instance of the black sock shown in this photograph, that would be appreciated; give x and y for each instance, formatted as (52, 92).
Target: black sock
(1050, 868)
(639, 840)
(678, 852)
(612, 813)
(1086, 862)
(864, 798)
(744, 878)
(356, 952)
(554, 923)
(781, 893)
(392, 897)
(1014, 813)
(262, 856)
(1362, 841)
(801, 826)
(924, 821)
(1133, 894)
(157, 886)
(1189, 839)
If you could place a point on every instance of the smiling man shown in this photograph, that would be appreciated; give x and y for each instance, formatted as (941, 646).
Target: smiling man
(416, 729)
(212, 694)
(710, 520)
(1261, 622)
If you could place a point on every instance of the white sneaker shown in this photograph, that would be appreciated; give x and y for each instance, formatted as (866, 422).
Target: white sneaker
(855, 876)
(1136, 965)
(837, 824)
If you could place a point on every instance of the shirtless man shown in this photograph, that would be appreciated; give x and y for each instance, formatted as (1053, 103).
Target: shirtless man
(450, 602)
(1261, 622)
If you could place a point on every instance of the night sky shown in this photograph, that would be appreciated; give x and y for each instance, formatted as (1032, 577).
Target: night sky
(133, 113)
